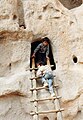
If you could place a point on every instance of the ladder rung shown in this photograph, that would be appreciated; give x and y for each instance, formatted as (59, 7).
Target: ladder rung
(44, 112)
(40, 88)
(37, 68)
(35, 78)
(51, 98)
(38, 77)
(81, 62)
(33, 68)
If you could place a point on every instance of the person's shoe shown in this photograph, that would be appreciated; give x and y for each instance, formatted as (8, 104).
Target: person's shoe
(53, 95)
(45, 84)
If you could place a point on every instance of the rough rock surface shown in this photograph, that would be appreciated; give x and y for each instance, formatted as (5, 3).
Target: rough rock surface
(64, 28)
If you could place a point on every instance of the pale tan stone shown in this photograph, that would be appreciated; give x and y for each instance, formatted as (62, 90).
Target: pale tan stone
(64, 28)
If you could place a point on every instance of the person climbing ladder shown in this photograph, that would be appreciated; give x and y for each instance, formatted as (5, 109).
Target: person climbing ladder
(42, 51)
(45, 72)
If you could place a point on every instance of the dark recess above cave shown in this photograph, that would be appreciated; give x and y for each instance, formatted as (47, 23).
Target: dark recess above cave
(70, 4)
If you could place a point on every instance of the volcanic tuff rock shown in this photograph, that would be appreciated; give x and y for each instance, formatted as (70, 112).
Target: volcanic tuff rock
(21, 23)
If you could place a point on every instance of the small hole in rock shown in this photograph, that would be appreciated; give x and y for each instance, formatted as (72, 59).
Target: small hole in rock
(71, 22)
(75, 59)
(40, 17)
(45, 118)
(14, 17)
(22, 26)
(57, 10)
(45, 8)
(10, 66)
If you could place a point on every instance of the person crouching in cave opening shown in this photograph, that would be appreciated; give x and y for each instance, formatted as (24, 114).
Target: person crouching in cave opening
(46, 74)
(42, 51)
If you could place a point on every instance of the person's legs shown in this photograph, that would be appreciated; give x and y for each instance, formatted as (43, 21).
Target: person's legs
(49, 78)
(50, 82)
(43, 79)
(44, 82)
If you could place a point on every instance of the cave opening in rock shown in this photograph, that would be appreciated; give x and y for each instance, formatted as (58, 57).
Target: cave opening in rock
(10, 66)
(34, 45)
(75, 59)
(45, 118)
(14, 17)
(70, 4)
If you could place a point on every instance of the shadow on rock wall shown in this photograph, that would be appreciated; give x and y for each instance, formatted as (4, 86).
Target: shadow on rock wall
(70, 4)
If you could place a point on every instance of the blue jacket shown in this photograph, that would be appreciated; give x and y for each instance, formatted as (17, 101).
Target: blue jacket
(42, 49)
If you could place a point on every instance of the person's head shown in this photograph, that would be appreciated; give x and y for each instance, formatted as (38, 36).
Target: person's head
(40, 63)
(45, 41)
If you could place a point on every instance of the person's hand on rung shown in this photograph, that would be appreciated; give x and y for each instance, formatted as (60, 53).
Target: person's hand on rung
(33, 55)
(47, 57)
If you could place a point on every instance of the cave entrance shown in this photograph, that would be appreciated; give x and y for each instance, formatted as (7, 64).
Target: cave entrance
(33, 46)
(75, 59)
(45, 118)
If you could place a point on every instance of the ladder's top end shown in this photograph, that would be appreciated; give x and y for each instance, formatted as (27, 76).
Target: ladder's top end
(33, 69)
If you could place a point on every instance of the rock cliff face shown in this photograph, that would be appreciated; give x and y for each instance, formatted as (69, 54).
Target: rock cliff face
(21, 23)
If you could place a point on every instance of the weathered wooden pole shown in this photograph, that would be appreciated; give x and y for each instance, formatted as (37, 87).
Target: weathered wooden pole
(57, 106)
(48, 61)
(35, 116)
(56, 101)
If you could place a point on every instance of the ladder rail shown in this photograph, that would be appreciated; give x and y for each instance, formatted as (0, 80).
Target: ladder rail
(35, 117)
(57, 106)
(56, 101)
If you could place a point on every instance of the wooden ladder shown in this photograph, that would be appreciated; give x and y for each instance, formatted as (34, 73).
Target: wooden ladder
(35, 100)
